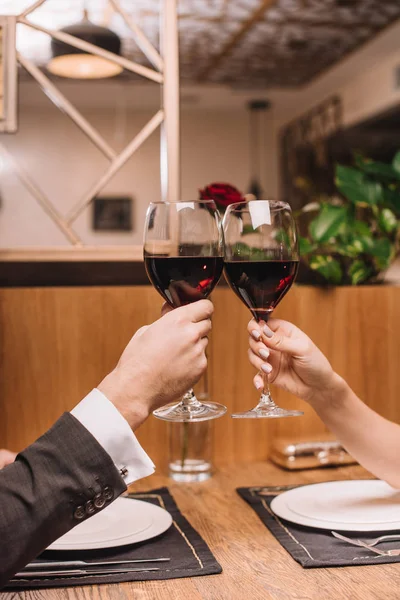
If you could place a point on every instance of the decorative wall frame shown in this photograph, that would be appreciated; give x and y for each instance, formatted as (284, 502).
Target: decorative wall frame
(165, 73)
(112, 214)
(303, 148)
(8, 75)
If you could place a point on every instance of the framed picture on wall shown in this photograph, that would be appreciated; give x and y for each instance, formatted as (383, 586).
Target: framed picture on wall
(112, 213)
(8, 75)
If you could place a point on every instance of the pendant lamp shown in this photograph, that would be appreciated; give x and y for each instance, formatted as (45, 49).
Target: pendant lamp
(74, 63)
(258, 109)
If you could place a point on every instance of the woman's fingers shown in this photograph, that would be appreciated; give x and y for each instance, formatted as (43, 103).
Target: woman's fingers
(259, 348)
(278, 335)
(258, 382)
(259, 363)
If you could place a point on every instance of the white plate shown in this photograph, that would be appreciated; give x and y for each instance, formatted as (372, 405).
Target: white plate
(365, 505)
(124, 522)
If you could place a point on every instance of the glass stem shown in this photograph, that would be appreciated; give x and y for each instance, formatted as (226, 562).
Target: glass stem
(265, 399)
(189, 400)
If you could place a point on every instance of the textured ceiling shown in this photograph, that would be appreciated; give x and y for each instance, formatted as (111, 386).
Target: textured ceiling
(243, 43)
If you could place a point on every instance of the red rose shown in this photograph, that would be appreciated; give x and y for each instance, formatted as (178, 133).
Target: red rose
(223, 194)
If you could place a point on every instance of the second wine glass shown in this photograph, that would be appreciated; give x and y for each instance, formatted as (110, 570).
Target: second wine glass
(261, 262)
(183, 255)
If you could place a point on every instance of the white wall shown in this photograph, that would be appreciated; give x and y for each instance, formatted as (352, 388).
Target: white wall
(65, 164)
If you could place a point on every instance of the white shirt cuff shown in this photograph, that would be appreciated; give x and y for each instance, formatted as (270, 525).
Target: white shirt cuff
(111, 430)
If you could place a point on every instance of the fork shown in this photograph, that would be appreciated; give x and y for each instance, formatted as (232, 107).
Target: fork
(382, 538)
(362, 544)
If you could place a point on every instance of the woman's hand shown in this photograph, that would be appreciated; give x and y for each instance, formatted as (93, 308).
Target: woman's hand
(290, 359)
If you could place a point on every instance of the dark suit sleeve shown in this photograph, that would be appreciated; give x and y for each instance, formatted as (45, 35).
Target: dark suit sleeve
(60, 480)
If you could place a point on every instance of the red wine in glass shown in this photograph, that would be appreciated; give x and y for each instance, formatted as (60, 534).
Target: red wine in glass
(184, 259)
(184, 279)
(261, 262)
(261, 284)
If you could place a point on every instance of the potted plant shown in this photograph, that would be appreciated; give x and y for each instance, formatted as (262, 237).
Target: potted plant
(352, 238)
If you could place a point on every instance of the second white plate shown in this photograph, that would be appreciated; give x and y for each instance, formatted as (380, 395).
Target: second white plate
(361, 505)
(125, 521)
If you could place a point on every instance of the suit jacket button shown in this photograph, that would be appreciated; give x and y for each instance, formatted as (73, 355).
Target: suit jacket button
(99, 501)
(90, 507)
(79, 513)
(108, 493)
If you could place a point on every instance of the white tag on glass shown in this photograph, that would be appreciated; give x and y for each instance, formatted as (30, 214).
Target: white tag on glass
(260, 213)
(182, 205)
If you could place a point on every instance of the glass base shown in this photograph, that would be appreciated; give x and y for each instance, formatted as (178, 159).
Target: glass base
(196, 411)
(192, 470)
(267, 409)
(267, 412)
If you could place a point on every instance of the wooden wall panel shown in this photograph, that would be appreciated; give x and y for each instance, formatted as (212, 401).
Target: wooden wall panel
(57, 343)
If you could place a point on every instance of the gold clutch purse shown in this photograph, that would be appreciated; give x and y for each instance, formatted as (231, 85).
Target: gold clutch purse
(309, 454)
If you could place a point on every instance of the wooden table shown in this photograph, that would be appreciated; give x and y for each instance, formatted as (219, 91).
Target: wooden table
(255, 566)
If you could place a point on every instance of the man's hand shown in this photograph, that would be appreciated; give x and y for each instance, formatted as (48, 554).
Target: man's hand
(6, 458)
(161, 362)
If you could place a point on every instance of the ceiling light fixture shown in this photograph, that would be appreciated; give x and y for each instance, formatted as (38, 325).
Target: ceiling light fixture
(257, 110)
(73, 63)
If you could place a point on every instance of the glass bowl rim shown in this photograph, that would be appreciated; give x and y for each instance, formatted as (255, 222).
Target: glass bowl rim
(176, 202)
(275, 205)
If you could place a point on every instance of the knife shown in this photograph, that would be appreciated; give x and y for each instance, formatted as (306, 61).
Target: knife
(74, 572)
(83, 563)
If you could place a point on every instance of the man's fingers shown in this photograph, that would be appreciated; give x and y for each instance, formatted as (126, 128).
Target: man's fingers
(141, 331)
(203, 328)
(6, 458)
(198, 311)
(166, 308)
(203, 343)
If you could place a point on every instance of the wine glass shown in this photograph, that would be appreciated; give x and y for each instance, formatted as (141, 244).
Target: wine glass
(261, 262)
(183, 256)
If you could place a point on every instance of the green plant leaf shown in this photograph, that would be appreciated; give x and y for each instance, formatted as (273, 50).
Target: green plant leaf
(282, 236)
(305, 246)
(396, 162)
(356, 188)
(361, 228)
(328, 267)
(359, 272)
(367, 242)
(327, 223)
(391, 196)
(378, 169)
(387, 221)
(247, 229)
(247, 252)
(382, 251)
(352, 249)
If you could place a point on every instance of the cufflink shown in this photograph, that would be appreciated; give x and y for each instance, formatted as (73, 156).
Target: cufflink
(123, 471)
